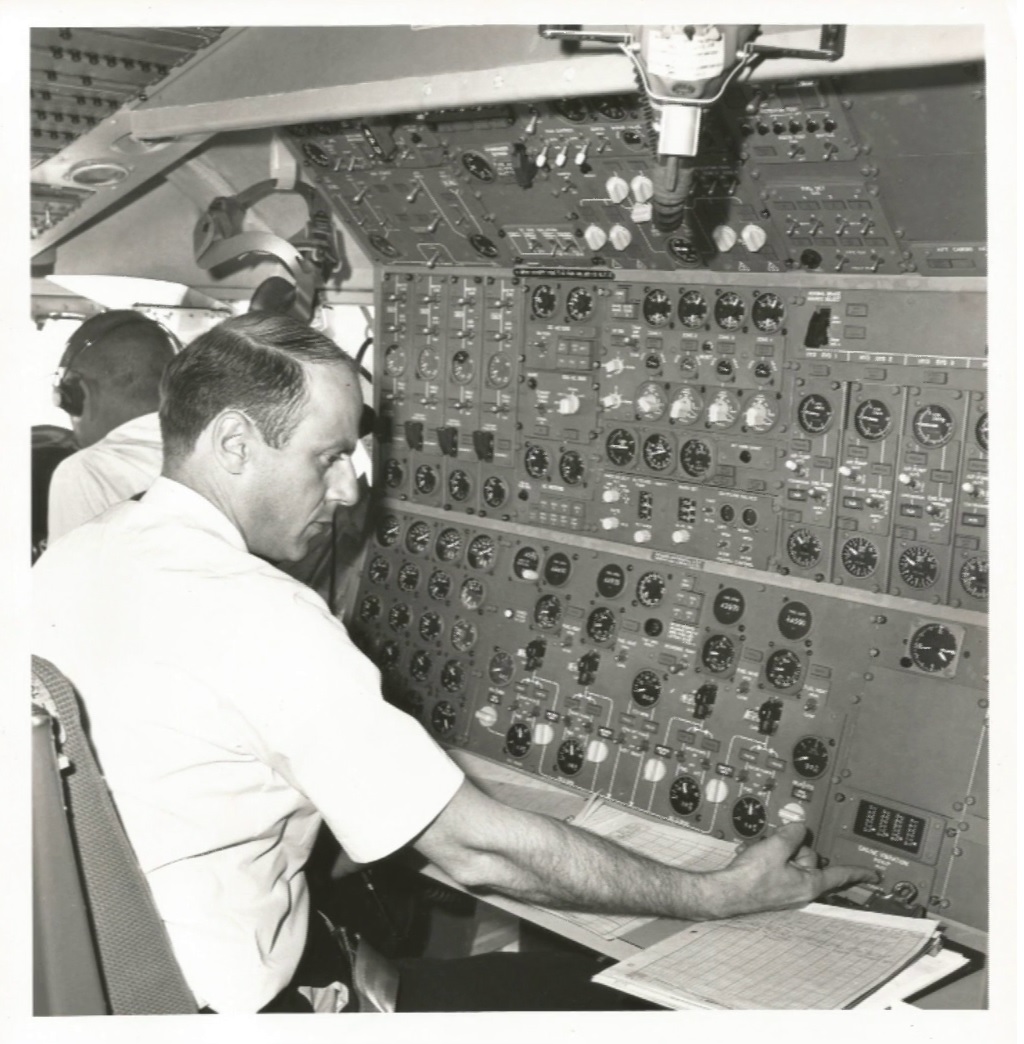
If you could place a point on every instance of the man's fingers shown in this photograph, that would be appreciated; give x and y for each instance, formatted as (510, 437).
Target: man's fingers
(834, 878)
(806, 858)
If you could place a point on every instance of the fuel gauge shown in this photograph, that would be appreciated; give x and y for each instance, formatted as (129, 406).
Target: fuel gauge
(657, 307)
(810, 757)
(570, 757)
(579, 305)
(768, 312)
(933, 426)
(749, 816)
(693, 309)
(730, 310)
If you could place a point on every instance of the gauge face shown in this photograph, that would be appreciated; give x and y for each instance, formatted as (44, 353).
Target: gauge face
(684, 795)
(918, 567)
(570, 467)
(859, 556)
(369, 608)
(499, 370)
(933, 648)
(443, 718)
(646, 689)
(463, 635)
(378, 570)
(394, 473)
(543, 301)
(459, 486)
(501, 668)
(547, 613)
(431, 626)
(482, 552)
(419, 665)
(749, 817)
(395, 361)
(408, 577)
(388, 531)
(718, 653)
(570, 756)
(933, 425)
(723, 409)
(601, 624)
(417, 540)
(650, 589)
(768, 312)
(611, 581)
(729, 310)
(517, 739)
(621, 447)
(526, 564)
(760, 414)
(657, 452)
(428, 366)
(803, 548)
(611, 108)
(815, 414)
(695, 457)
(399, 617)
(478, 166)
(494, 492)
(687, 406)
(579, 305)
(536, 461)
(425, 479)
(453, 676)
(872, 420)
(572, 109)
(683, 251)
(981, 432)
(557, 569)
(389, 654)
(693, 309)
(657, 308)
(472, 593)
(810, 757)
(462, 366)
(651, 401)
(794, 621)
(974, 577)
(439, 586)
(449, 545)
(728, 606)
(783, 669)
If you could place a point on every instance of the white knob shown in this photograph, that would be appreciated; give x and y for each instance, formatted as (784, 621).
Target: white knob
(642, 536)
(970, 488)
(569, 404)
(754, 237)
(597, 750)
(643, 188)
(595, 236)
(617, 188)
(724, 237)
(647, 403)
(620, 237)
(610, 523)
(906, 480)
(792, 465)
(541, 159)
(845, 470)
(611, 496)
(487, 716)
(581, 157)
(562, 156)
(655, 770)
(612, 401)
(680, 536)
(543, 733)
(614, 366)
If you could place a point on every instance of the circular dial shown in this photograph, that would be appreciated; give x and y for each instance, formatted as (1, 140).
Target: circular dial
(547, 613)
(650, 589)
(815, 414)
(417, 540)
(494, 491)
(572, 109)
(684, 795)
(428, 365)
(557, 569)
(683, 251)
(570, 756)
(378, 570)
(872, 420)
(695, 457)
(526, 564)
(657, 307)
(601, 624)
(579, 304)
(570, 467)
(419, 665)
(693, 309)
(687, 406)
(646, 688)
(749, 816)
(783, 669)
(517, 739)
(463, 635)
(918, 567)
(981, 432)
(543, 301)
(439, 586)
(395, 361)
(536, 461)
(394, 473)
(718, 653)
(443, 718)
(501, 668)
(482, 551)
(449, 545)
(810, 757)
(859, 556)
(399, 616)
(933, 648)
(767, 312)
(611, 108)
(803, 548)
(478, 166)
(723, 409)
(388, 531)
(729, 310)
(462, 366)
(499, 370)
(408, 577)
(974, 577)
(453, 676)
(472, 593)
(611, 581)
(459, 486)
(657, 452)
(369, 608)
(794, 621)
(651, 401)
(760, 414)
(621, 447)
(933, 425)
(728, 605)
(425, 479)
(431, 626)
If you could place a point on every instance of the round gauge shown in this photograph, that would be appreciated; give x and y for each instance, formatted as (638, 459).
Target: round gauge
(657, 307)
(482, 551)
(794, 621)
(547, 613)
(394, 473)
(543, 301)
(462, 366)
(425, 479)
(683, 251)
(650, 589)
(408, 577)
(369, 608)
(767, 312)
(579, 305)
(526, 564)
(646, 689)
(557, 569)
(749, 816)
(981, 432)
(723, 409)
(684, 795)
(783, 669)
(686, 407)
(749, 517)
(633, 139)
(651, 401)
(428, 365)
(814, 414)
(601, 624)
(570, 756)
(728, 606)
(395, 361)
(570, 467)
(810, 757)
(536, 461)
(478, 166)
(760, 414)
(859, 556)
(933, 648)
(389, 654)
(718, 653)
(439, 586)
(443, 718)
(974, 577)
(695, 458)
(729, 310)
(417, 540)
(494, 491)
(517, 739)
(431, 626)
(384, 246)
(378, 570)
(449, 545)
(933, 425)
(572, 109)
(499, 370)
(657, 452)
(611, 108)
(483, 246)
(621, 447)
(693, 309)
(459, 486)
(453, 676)
(872, 420)
(611, 581)
(315, 154)
(399, 617)
(472, 593)
(463, 635)
(388, 530)
(501, 668)
(419, 665)
(918, 567)
(803, 548)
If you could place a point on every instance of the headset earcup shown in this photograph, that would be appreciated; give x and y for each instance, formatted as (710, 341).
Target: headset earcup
(70, 396)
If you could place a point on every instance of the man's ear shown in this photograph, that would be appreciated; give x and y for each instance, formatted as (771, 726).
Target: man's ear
(233, 439)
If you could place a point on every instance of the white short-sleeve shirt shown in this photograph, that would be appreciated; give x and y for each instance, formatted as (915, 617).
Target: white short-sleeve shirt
(230, 712)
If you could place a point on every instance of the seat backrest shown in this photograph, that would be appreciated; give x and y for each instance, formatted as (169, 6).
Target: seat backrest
(131, 969)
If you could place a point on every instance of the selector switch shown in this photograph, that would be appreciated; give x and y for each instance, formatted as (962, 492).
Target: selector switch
(620, 237)
(617, 188)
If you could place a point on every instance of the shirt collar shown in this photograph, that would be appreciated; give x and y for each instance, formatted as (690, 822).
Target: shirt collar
(180, 501)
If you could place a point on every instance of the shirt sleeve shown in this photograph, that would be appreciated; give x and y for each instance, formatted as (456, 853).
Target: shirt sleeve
(76, 496)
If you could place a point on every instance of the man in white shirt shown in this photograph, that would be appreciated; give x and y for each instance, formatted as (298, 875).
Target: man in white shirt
(232, 714)
(108, 383)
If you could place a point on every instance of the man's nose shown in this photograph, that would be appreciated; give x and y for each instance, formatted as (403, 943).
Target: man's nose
(343, 484)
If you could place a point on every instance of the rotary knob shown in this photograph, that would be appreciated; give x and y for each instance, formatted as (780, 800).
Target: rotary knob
(617, 188)
(620, 237)
(568, 404)
(595, 237)
(724, 237)
(643, 188)
(754, 237)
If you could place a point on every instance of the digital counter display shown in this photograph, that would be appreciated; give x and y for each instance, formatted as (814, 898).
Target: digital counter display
(894, 828)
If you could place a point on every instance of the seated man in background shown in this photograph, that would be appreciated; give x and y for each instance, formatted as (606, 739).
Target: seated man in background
(233, 715)
(108, 384)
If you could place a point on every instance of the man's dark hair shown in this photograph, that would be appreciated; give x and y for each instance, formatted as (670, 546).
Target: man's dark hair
(254, 363)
